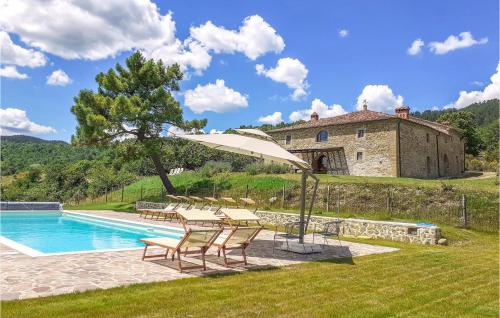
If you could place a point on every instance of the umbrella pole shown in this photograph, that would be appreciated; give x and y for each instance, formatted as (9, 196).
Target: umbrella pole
(302, 207)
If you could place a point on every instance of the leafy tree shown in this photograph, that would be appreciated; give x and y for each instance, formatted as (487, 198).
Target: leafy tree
(465, 123)
(134, 101)
(490, 138)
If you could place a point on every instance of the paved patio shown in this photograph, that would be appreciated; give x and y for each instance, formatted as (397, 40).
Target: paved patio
(23, 276)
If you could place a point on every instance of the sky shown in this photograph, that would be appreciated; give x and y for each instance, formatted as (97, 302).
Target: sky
(250, 62)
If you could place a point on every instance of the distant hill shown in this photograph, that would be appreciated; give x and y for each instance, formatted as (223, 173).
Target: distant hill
(30, 139)
(19, 152)
(486, 112)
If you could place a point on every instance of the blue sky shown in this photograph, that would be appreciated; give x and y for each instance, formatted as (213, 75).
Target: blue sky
(303, 51)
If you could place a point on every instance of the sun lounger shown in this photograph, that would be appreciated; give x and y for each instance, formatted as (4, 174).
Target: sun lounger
(211, 199)
(240, 215)
(156, 212)
(229, 201)
(248, 202)
(238, 238)
(199, 241)
(197, 215)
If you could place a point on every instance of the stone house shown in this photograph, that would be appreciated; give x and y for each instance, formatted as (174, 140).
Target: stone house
(369, 143)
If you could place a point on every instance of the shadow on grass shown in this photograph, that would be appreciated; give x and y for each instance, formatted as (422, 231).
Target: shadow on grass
(260, 256)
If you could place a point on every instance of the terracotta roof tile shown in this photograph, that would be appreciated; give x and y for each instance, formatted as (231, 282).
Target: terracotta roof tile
(361, 116)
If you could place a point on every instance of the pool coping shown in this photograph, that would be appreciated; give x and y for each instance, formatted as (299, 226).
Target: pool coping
(26, 250)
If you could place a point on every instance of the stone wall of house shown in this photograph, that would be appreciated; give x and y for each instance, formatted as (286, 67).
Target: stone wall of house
(378, 146)
(385, 230)
(393, 231)
(420, 147)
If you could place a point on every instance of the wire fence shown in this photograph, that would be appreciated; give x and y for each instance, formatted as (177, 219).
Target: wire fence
(477, 211)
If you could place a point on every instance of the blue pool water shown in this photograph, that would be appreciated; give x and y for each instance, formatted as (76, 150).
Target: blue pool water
(56, 232)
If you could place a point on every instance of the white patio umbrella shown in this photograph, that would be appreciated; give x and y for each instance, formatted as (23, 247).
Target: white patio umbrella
(268, 151)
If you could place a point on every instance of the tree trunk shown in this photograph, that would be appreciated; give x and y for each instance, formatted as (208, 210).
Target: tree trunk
(163, 174)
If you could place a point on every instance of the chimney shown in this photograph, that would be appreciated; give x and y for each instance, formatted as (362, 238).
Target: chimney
(365, 105)
(314, 116)
(403, 112)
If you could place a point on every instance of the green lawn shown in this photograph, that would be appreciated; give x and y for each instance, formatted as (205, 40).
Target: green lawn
(470, 184)
(460, 280)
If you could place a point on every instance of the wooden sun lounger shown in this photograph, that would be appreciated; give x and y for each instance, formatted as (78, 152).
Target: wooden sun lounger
(197, 215)
(248, 201)
(240, 215)
(169, 209)
(229, 201)
(238, 238)
(211, 199)
(200, 240)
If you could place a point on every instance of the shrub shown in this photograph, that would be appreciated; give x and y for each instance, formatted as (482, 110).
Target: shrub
(212, 168)
(260, 168)
(446, 187)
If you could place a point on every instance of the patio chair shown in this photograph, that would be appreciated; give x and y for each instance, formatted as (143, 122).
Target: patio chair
(289, 233)
(329, 229)
(199, 240)
(238, 238)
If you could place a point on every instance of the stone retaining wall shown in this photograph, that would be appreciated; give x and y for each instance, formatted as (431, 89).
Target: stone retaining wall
(393, 231)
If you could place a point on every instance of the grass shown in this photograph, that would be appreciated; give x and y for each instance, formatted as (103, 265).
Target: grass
(460, 280)
(470, 184)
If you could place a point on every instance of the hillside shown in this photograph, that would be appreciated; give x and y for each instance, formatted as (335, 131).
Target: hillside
(20, 152)
(30, 139)
(485, 112)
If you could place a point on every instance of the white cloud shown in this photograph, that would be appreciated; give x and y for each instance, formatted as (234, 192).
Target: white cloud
(187, 54)
(379, 98)
(477, 83)
(214, 97)
(464, 40)
(215, 131)
(103, 28)
(58, 78)
(13, 54)
(273, 119)
(290, 72)
(254, 38)
(173, 131)
(489, 92)
(343, 33)
(14, 121)
(416, 47)
(319, 107)
(108, 28)
(11, 72)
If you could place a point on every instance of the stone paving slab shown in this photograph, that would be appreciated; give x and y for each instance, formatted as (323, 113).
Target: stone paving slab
(24, 277)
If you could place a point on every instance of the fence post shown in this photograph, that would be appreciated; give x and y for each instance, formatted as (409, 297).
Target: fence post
(389, 203)
(213, 196)
(328, 199)
(121, 199)
(106, 195)
(338, 200)
(283, 198)
(464, 216)
(246, 192)
(141, 192)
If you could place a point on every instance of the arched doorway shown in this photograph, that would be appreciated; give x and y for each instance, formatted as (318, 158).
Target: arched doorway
(322, 164)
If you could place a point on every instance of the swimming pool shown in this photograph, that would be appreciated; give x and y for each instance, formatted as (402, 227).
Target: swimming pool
(58, 232)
